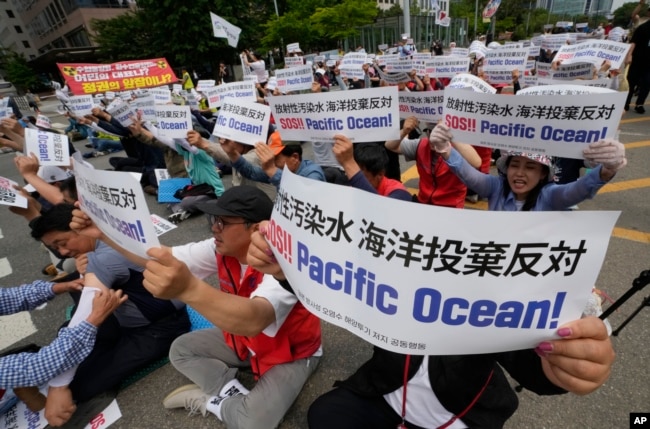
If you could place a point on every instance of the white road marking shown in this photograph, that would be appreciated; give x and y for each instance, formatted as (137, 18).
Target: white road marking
(15, 327)
(5, 267)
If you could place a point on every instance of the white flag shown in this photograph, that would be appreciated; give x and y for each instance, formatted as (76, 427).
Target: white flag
(222, 28)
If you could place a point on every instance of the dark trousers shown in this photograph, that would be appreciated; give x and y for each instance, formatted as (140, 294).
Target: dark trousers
(638, 78)
(342, 409)
(120, 352)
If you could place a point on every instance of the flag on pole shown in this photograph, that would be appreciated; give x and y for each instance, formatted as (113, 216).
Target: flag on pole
(222, 28)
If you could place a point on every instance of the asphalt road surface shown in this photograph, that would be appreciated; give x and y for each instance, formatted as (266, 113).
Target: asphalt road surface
(628, 254)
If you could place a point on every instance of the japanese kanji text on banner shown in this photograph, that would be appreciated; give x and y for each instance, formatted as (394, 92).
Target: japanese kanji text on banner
(420, 279)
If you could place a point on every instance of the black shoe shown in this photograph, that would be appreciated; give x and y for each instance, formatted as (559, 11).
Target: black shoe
(627, 107)
(88, 145)
(639, 109)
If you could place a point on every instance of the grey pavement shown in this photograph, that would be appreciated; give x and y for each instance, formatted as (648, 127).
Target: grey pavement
(627, 390)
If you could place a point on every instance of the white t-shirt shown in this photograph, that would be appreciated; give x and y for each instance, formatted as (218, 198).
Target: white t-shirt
(422, 405)
(259, 68)
(201, 259)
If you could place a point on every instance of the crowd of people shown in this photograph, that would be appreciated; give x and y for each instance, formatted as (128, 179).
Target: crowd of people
(131, 311)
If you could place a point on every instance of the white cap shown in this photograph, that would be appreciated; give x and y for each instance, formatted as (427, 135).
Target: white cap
(51, 173)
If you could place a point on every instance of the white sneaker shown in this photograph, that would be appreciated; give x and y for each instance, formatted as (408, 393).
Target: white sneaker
(230, 389)
(178, 217)
(190, 397)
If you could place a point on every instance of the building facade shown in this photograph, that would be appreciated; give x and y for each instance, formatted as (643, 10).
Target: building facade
(36, 27)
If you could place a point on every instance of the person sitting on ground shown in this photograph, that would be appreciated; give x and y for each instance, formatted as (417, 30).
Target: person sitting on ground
(438, 185)
(26, 372)
(135, 336)
(407, 391)
(526, 179)
(259, 324)
(365, 167)
(219, 151)
(274, 157)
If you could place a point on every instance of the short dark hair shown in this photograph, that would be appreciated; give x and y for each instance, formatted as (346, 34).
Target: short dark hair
(371, 157)
(55, 219)
(290, 149)
(69, 185)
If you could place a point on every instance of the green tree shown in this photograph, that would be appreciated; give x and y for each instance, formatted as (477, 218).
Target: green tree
(112, 34)
(623, 15)
(293, 25)
(18, 71)
(395, 10)
(181, 31)
(343, 20)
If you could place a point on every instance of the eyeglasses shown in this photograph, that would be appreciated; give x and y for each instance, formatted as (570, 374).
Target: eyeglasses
(220, 224)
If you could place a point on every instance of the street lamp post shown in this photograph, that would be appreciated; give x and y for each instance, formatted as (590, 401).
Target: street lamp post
(475, 18)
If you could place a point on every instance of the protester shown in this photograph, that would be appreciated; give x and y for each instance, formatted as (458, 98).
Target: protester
(187, 80)
(254, 61)
(395, 390)
(365, 167)
(274, 157)
(219, 153)
(138, 334)
(638, 73)
(526, 180)
(259, 323)
(26, 372)
(438, 185)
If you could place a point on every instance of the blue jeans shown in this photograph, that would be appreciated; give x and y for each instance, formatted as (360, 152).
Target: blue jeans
(105, 145)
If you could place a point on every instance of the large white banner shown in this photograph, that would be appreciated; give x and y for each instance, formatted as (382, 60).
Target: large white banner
(49, 148)
(114, 200)
(363, 116)
(555, 125)
(294, 78)
(81, 105)
(9, 196)
(440, 67)
(240, 90)
(243, 121)
(424, 105)
(595, 52)
(505, 59)
(565, 71)
(427, 280)
(174, 121)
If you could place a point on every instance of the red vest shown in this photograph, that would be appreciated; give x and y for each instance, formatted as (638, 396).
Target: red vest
(298, 338)
(386, 186)
(439, 185)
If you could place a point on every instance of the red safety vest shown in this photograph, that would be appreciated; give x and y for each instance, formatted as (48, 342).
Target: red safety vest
(439, 185)
(298, 338)
(387, 186)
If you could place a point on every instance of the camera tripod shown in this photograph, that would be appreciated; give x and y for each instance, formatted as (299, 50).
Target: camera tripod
(639, 283)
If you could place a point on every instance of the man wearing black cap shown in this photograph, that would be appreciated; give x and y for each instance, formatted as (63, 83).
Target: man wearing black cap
(259, 323)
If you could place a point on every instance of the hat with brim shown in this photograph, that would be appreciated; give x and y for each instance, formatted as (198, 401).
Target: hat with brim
(247, 202)
(502, 166)
(276, 144)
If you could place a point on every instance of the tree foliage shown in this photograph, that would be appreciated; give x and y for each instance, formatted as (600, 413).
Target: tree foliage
(623, 15)
(131, 27)
(317, 24)
(18, 71)
(343, 20)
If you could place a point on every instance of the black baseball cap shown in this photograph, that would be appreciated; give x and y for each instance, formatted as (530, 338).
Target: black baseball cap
(243, 201)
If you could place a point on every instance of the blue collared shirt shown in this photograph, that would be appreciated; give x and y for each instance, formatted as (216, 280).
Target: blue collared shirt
(69, 349)
(552, 197)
